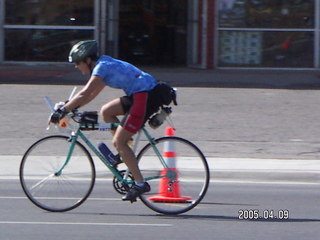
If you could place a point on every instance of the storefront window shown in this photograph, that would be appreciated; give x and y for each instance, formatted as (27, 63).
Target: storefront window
(266, 33)
(266, 13)
(41, 45)
(45, 30)
(49, 12)
(266, 49)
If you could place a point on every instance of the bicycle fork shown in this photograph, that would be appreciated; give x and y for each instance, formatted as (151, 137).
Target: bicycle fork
(72, 139)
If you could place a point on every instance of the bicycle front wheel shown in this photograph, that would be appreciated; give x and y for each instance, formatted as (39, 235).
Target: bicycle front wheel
(181, 182)
(49, 188)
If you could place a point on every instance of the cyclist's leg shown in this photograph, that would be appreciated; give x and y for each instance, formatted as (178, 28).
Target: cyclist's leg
(122, 136)
(111, 110)
(120, 140)
(130, 124)
(135, 107)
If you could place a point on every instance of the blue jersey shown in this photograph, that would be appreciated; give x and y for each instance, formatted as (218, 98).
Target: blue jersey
(123, 75)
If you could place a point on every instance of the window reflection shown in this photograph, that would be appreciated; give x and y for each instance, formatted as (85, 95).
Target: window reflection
(266, 49)
(49, 12)
(266, 13)
(42, 45)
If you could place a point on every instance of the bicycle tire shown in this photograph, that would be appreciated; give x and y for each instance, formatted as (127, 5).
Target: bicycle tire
(187, 180)
(57, 192)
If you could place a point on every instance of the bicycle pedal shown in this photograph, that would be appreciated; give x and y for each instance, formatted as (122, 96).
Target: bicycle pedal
(132, 200)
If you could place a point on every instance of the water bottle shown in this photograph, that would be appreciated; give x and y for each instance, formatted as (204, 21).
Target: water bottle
(110, 157)
(159, 118)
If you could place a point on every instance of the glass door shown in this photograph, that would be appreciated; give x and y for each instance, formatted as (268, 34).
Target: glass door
(153, 32)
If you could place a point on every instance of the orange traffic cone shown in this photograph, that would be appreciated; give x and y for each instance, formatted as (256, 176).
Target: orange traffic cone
(169, 191)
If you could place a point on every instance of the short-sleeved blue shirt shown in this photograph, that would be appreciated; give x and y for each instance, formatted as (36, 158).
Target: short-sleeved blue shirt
(123, 75)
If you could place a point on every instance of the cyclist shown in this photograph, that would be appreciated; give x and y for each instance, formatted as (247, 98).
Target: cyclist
(138, 105)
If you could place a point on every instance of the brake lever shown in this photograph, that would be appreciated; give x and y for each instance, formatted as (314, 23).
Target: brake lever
(53, 107)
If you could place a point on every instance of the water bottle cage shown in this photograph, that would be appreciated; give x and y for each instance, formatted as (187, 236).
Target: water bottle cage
(168, 110)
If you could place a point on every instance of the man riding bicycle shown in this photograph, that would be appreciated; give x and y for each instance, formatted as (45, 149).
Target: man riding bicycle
(141, 101)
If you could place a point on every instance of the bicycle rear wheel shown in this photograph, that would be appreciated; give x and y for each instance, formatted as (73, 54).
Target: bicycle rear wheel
(49, 190)
(182, 185)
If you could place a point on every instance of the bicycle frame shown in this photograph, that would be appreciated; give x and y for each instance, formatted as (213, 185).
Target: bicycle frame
(105, 127)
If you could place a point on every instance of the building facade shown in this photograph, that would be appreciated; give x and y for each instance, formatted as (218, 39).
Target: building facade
(195, 33)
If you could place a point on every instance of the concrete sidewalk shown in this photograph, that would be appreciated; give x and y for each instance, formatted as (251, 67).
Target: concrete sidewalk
(66, 74)
(229, 169)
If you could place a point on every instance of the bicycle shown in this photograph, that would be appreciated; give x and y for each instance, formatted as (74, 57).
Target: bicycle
(57, 172)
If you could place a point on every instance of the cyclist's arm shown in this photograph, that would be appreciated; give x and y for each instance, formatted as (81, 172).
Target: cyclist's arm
(87, 94)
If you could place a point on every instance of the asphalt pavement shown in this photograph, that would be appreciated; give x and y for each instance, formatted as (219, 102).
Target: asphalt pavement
(253, 125)
(225, 213)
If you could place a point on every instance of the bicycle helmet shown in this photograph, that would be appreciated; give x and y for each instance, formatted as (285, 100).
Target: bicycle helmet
(82, 50)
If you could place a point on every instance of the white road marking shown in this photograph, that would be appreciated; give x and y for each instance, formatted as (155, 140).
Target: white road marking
(89, 199)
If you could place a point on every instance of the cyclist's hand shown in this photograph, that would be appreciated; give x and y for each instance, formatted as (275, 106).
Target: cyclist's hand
(58, 115)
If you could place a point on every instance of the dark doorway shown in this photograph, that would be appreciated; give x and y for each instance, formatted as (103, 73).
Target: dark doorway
(153, 31)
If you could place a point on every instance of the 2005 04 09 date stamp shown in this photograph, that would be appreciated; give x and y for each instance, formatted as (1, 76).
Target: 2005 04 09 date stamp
(255, 214)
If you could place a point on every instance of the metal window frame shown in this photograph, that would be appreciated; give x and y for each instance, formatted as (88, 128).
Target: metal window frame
(49, 27)
(317, 34)
(204, 34)
(192, 36)
(110, 34)
(2, 11)
(197, 45)
(315, 30)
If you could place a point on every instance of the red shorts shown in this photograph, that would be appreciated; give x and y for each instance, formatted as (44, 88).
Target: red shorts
(137, 106)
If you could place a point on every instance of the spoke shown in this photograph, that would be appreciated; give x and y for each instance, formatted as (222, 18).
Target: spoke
(42, 181)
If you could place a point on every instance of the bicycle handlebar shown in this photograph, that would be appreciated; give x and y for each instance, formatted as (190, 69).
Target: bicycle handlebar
(87, 120)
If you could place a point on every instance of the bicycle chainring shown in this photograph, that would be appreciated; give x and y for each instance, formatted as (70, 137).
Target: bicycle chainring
(122, 187)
